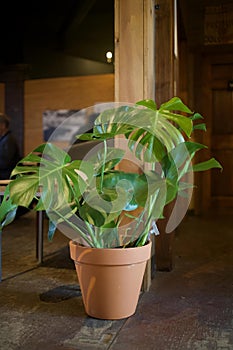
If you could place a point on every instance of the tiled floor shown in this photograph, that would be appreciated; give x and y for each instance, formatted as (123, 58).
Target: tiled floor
(190, 307)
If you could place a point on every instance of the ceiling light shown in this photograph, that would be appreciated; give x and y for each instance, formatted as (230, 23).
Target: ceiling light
(109, 56)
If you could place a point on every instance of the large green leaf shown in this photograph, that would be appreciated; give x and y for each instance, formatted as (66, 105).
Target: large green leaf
(112, 157)
(145, 127)
(7, 209)
(55, 174)
(23, 189)
(153, 182)
(184, 152)
(175, 104)
(207, 165)
(170, 173)
(112, 178)
(99, 209)
(124, 188)
(148, 103)
(184, 123)
(93, 216)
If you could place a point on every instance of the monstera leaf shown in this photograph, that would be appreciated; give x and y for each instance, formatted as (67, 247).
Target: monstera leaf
(48, 173)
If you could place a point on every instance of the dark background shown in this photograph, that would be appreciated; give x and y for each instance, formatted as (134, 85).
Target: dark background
(53, 38)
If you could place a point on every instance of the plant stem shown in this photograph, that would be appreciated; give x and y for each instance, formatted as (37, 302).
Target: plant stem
(92, 234)
(82, 234)
(103, 166)
(143, 237)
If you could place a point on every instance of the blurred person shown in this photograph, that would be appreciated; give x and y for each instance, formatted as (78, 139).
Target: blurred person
(9, 149)
(9, 154)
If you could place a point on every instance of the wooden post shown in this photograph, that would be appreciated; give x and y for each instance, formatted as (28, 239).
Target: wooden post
(134, 50)
(134, 59)
(165, 88)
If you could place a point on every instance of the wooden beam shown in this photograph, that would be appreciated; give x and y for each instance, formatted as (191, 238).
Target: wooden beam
(134, 50)
(134, 60)
(165, 88)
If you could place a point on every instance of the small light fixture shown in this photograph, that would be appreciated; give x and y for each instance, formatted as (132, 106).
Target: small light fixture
(109, 56)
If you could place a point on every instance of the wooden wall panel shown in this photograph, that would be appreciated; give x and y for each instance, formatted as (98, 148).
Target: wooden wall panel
(2, 97)
(61, 93)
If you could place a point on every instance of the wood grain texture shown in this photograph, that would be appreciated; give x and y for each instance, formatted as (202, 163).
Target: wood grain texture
(134, 64)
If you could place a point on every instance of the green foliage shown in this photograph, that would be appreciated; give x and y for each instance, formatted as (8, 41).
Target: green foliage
(93, 197)
(7, 210)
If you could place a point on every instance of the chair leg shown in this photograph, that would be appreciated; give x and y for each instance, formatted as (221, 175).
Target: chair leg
(39, 235)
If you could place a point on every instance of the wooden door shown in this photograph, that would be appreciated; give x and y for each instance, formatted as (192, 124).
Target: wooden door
(217, 187)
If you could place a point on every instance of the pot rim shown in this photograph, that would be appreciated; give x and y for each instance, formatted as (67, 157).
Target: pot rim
(109, 256)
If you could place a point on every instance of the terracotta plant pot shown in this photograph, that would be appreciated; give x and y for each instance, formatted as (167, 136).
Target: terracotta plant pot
(110, 279)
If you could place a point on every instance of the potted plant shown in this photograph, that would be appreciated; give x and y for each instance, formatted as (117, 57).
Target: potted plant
(90, 199)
